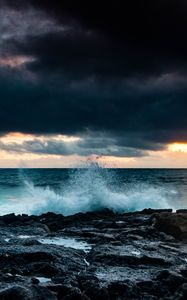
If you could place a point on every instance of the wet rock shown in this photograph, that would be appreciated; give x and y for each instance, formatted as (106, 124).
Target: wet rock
(164, 274)
(35, 280)
(27, 293)
(153, 211)
(42, 293)
(71, 293)
(181, 293)
(174, 281)
(131, 256)
(30, 242)
(10, 218)
(37, 256)
(97, 292)
(173, 224)
(179, 211)
(44, 269)
(16, 293)
(184, 272)
(118, 289)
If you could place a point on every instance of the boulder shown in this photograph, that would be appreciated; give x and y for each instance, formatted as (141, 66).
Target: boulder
(179, 211)
(16, 293)
(174, 224)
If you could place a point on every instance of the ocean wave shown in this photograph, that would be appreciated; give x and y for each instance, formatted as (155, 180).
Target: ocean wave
(91, 189)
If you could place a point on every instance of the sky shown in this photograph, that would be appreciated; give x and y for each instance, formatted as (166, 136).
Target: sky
(104, 81)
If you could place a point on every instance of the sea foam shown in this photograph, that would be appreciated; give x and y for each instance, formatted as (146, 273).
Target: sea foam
(91, 189)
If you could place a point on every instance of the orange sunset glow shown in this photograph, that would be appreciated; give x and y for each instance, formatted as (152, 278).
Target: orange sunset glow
(15, 61)
(13, 154)
(178, 147)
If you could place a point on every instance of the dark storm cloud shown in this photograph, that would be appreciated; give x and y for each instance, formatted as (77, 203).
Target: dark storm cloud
(81, 54)
(99, 69)
(140, 38)
(84, 147)
(143, 118)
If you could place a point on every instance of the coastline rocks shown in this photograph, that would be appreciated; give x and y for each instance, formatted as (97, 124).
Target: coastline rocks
(97, 255)
(26, 293)
(179, 211)
(172, 224)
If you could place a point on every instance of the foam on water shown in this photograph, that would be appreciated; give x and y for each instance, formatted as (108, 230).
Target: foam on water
(66, 242)
(87, 190)
(43, 279)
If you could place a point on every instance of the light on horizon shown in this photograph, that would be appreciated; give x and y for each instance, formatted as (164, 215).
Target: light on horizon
(178, 147)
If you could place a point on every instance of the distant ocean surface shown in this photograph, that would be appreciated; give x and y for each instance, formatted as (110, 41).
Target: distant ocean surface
(69, 191)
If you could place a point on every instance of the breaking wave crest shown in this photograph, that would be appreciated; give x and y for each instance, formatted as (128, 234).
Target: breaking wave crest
(92, 189)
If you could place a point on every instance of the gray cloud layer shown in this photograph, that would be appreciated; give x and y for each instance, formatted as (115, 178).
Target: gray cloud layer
(84, 147)
(97, 71)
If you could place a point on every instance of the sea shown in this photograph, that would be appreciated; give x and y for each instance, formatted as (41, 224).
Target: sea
(70, 191)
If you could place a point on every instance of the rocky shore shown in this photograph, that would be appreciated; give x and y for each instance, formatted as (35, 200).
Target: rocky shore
(98, 255)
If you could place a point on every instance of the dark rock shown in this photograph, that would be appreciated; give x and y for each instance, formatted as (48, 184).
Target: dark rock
(184, 291)
(146, 260)
(179, 211)
(35, 280)
(164, 274)
(16, 293)
(92, 288)
(37, 256)
(30, 242)
(181, 293)
(43, 268)
(184, 272)
(71, 293)
(118, 289)
(133, 256)
(42, 293)
(27, 293)
(174, 281)
(173, 224)
(10, 218)
(153, 211)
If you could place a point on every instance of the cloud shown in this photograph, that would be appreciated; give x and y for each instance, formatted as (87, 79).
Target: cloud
(143, 39)
(142, 116)
(52, 145)
(97, 70)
